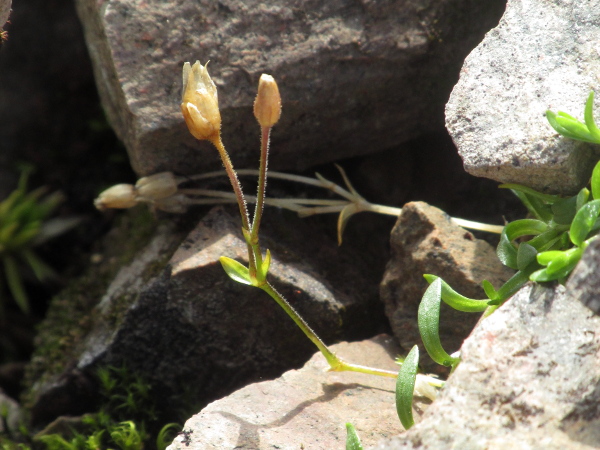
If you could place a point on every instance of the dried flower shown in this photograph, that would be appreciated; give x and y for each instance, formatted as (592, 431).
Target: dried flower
(200, 103)
(157, 186)
(267, 105)
(119, 196)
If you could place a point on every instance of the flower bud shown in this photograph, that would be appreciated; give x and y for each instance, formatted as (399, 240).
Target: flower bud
(119, 196)
(200, 103)
(157, 186)
(267, 105)
(174, 204)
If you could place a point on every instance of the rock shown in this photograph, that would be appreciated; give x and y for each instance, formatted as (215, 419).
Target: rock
(584, 283)
(541, 56)
(529, 378)
(4, 11)
(354, 78)
(180, 321)
(304, 408)
(425, 241)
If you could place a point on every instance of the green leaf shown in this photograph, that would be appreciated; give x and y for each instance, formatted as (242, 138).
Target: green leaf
(489, 290)
(596, 181)
(564, 210)
(236, 271)
(506, 251)
(429, 321)
(589, 118)
(264, 269)
(575, 129)
(547, 198)
(559, 264)
(405, 387)
(552, 119)
(15, 284)
(456, 300)
(583, 197)
(352, 440)
(584, 221)
(525, 255)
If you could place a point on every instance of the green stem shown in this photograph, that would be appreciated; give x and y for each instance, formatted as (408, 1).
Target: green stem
(336, 364)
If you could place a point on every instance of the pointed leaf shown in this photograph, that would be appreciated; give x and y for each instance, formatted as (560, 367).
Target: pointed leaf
(352, 440)
(15, 284)
(429, 321)
(343, 218)
(236, 271)
(489, 289)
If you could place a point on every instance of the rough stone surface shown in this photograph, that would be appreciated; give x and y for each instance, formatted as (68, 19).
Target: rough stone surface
(355, 77)
(304, 408)
(4, 11)
(584, 282)
(191, 325)
(425, 241)
(541, 56)
(529, 379)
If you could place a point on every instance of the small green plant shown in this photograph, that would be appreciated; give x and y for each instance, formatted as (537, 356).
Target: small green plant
(545, 247)
(25, 224)
(352, 439)
(128, 410)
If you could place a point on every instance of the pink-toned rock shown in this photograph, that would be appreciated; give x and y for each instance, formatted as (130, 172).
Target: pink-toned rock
(305, 408)
(425, 241)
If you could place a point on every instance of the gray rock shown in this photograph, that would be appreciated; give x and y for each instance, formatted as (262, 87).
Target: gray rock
(541, 56)
(190, 325)
(4, 11)
(529, 378)
(304, 408)
(355, 78)
(584, 282)
(425, 241)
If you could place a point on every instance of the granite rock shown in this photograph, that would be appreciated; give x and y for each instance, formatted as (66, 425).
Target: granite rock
(355, 77)
(176, 319)
(425, 241)
(305, 408)
(541, 56)
(529, 378)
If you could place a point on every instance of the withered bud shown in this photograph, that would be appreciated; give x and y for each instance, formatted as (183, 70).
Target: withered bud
(200, 103)
(157, 186)
(119, 196)
(267, 105)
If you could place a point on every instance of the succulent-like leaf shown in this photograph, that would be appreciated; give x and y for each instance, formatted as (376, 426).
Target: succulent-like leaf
(429, 322)
(456, 300)
(584, 221)
(589, 118)
(405, 387)
(596, 181)
(525, 255)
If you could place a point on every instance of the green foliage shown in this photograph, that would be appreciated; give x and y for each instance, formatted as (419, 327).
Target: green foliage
(352, 440)
(546, 247)
(24, 224)
(405, 386)
(128, 410)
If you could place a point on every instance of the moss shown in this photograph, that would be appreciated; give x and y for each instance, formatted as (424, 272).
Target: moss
(68, 320)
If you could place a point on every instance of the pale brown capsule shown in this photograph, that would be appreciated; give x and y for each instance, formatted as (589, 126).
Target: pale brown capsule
(267, 105)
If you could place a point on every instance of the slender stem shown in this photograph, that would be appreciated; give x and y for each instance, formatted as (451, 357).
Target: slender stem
(336, 364)
(237, 189)
(235, 182)
(262, 182)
